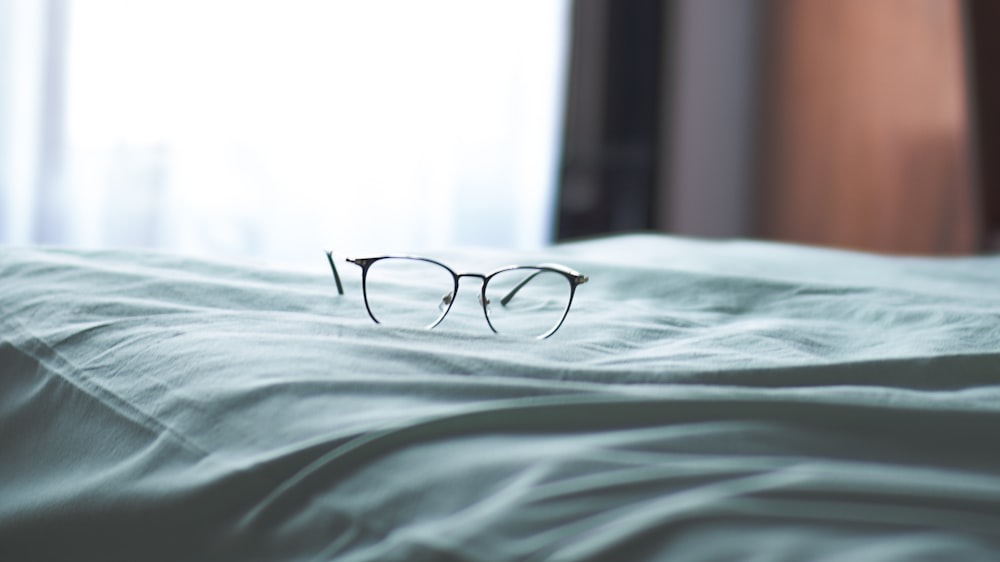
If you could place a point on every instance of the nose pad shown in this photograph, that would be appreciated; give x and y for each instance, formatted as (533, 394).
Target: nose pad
(459, 313)
(446, 300)
(485, 302)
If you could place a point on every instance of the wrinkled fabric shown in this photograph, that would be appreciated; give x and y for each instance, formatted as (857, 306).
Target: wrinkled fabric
(704, 400)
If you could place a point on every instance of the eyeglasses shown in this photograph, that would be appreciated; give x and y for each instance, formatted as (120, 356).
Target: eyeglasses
(418, 292)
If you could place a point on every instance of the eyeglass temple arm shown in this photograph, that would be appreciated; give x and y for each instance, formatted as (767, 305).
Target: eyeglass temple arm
(333, 267)
(506, 299)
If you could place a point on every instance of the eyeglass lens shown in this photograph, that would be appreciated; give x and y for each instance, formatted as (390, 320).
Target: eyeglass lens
(527, 301)
(408, 292)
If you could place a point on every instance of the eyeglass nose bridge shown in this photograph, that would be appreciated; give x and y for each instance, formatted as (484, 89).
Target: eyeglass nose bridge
(448, 299)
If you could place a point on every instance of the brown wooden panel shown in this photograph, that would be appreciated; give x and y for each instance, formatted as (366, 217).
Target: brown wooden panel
(866, 127)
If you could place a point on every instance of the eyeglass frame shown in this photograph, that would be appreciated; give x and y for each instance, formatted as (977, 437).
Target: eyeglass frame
(574, 278)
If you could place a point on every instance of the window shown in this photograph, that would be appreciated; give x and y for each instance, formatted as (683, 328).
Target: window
(275, 128)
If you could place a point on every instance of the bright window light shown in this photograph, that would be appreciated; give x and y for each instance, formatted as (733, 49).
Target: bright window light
(275, 128)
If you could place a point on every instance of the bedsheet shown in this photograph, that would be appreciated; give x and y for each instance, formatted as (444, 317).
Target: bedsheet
(704, 400)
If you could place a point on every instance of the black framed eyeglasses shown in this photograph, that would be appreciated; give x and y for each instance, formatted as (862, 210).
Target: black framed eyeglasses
(419, 292)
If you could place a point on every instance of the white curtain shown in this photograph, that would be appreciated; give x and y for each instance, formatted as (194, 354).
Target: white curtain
(275, 128)
(23, 52)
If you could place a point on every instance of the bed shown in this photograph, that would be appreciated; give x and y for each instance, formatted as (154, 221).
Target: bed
(703, 400)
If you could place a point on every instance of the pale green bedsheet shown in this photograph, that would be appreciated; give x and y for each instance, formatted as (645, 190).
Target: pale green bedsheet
(703, 401)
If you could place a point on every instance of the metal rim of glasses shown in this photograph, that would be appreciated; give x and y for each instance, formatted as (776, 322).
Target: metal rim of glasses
(572, 277)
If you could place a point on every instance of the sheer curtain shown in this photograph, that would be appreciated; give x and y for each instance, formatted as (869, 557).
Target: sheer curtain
(271, 128)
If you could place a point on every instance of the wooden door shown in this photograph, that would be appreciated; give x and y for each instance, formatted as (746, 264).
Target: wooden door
(865, 127)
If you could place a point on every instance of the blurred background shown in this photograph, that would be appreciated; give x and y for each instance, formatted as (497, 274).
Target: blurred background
(271, 129)
(278, 128)
(865, 124)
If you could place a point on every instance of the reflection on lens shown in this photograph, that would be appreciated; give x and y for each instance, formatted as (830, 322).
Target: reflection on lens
(527, 301)
(408, 292)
